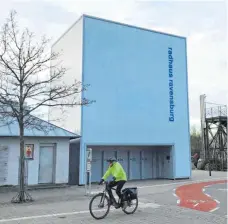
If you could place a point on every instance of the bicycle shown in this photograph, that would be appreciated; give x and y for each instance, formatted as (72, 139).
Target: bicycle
(128, 195)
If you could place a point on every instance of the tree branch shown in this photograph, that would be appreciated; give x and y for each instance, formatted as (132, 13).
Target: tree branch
(22, 60)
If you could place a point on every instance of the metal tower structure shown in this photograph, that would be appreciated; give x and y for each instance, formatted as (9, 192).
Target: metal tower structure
(215, 136)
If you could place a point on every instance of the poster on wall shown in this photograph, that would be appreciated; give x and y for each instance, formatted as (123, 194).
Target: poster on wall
(29, 151)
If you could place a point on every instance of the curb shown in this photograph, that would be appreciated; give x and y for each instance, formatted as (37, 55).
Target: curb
(7, 189)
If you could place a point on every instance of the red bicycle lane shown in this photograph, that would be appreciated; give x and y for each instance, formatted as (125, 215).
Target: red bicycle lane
(192, 196)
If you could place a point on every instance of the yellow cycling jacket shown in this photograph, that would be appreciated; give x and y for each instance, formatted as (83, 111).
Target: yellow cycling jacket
(117, 171)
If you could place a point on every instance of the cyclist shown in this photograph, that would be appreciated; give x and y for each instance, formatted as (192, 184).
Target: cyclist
(119, 179)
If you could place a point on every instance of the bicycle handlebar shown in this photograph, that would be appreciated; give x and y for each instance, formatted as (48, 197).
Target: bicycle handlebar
(107, 183)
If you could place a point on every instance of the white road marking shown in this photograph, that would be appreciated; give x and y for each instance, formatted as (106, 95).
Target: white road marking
(208, 195)
(184, 182)
(148, 205)
(214, 209)
(42, 216)
(196, 201)
(174, 193)
(218, 202)
(141, 205)
(95, 192)
(223, 189)
(196, 204)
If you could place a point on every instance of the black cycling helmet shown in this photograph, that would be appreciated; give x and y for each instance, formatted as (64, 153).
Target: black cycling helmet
(112, 159)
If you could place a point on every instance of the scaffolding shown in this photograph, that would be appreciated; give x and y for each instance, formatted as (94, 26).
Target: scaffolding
(215, 137)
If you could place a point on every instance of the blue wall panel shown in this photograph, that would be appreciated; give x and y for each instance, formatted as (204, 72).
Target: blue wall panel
(123, 159)
(168, 164)
(128, 69)
(135, 164)
(154, 164)
(96, 165)
(158, 165)
(147, 164)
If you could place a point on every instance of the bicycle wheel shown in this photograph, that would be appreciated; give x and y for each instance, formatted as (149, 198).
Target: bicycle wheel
(130, 204)
(102, 201)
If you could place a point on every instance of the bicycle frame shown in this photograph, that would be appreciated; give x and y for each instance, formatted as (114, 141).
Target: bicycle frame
(105, 191)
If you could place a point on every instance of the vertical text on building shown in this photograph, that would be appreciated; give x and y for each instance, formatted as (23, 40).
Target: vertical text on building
(171, 85)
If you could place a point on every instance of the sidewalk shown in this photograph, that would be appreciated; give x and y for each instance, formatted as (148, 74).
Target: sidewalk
(72, 193)
(48, 195)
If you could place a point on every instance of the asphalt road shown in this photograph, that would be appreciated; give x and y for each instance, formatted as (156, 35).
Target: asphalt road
(219, 193)
(157, 205)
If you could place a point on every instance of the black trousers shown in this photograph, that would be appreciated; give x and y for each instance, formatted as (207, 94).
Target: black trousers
(119, 187)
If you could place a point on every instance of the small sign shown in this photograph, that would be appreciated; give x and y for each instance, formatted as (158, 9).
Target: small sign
(29, 151)
(89, 154)
(88, 159)
(88, 167)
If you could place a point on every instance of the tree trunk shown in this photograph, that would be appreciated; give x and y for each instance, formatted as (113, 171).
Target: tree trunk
(22, 164)
(22, 156)
(22, 195)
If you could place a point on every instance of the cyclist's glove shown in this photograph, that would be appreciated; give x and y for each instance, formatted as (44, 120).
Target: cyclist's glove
(114, 179)
(101, 181)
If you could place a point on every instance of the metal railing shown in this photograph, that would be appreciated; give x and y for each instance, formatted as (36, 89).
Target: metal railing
(218, 111)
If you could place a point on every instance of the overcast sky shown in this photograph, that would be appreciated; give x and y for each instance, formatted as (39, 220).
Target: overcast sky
(204, 24)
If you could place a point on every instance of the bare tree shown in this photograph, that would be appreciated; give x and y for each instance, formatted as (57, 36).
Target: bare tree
(196, 139)
(27, 85)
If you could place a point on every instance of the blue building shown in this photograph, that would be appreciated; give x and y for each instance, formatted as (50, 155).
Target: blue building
(139, 80)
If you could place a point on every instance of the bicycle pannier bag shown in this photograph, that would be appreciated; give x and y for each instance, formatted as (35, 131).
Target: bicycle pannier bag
(130, 193)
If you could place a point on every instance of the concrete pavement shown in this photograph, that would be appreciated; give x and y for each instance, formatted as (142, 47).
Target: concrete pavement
(69, 205)
(76, 192)
(167, 215)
